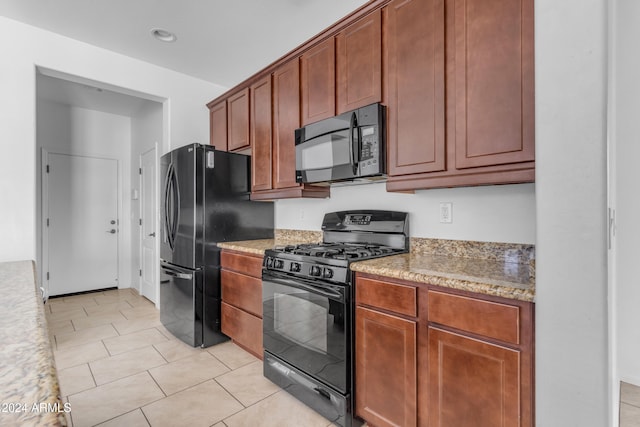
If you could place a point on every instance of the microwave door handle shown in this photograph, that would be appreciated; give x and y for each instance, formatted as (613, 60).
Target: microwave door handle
(354, 161)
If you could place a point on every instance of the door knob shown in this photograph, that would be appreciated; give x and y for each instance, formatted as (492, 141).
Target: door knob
(112, 231)
(152, 234)
(113, 221)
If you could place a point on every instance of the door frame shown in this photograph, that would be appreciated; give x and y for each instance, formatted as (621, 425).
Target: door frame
(44, 197)
(156, 211)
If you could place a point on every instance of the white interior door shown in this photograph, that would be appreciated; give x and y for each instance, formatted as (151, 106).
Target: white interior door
(148, 214)
(81, 223)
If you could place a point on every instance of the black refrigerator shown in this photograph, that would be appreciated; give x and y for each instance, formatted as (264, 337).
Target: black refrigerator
(205, 200)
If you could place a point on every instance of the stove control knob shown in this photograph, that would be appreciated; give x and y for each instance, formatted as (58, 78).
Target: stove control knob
(327, 273)
(315, 270)
(295, 267)
(278, 263)
(269, 262)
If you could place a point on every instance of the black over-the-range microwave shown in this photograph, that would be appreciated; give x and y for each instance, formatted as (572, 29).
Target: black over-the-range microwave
(344, 147)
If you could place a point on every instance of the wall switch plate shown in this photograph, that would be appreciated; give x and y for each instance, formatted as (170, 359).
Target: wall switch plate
(446, 213)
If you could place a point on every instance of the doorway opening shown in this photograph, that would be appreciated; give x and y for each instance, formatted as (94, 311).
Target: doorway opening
(82, 120)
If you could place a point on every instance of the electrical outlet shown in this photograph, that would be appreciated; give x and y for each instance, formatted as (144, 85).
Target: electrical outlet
(446, 213)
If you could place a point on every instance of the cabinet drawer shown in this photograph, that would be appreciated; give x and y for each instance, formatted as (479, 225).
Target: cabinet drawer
(245, 264)
(394, 297)
(242, 291)
(243, 328)
(490, 319)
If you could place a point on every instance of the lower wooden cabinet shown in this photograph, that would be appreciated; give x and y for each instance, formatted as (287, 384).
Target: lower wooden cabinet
(243, 328)
(465, 359)
(241, 318)
(472, 382)
(385, 368)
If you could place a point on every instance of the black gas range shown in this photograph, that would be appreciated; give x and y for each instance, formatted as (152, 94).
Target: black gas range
(308, 307)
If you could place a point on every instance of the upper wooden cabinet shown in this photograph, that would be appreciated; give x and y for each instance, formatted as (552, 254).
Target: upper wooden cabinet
(415, 86)
(238, 121)
(286, 119)
(275, 115)
(488, 97)
(492, 67)
(319, 82)
(260, 130)
(359, 63)
(456, 76)
(218, 125)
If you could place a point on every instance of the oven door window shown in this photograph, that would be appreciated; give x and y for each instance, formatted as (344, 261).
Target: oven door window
(306, 328)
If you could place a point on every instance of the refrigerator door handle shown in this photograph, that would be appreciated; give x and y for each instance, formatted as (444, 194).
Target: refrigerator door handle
(173, 271)
(175, 214)
(179, 275)
(167, 219)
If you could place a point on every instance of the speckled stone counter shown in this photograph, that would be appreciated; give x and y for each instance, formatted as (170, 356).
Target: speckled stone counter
(29, 391)
(282, 237)
(499, 269)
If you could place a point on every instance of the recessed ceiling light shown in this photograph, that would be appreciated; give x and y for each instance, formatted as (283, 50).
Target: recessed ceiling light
(163, 35)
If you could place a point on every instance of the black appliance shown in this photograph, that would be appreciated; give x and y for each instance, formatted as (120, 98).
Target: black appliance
(308, 296)
(348, 146)
(205, 200)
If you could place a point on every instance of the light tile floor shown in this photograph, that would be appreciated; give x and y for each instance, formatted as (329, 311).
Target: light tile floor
(629, 405)
(118, 366)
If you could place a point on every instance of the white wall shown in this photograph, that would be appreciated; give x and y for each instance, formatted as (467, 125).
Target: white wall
(626, 124)
(23, 48)
(146, 130)
(571, 253)
(498, 213)
(72, 130)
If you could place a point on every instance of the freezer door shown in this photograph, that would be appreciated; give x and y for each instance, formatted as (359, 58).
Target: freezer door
(181, 302)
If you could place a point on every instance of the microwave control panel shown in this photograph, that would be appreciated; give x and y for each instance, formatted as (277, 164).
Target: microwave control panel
(370, 151)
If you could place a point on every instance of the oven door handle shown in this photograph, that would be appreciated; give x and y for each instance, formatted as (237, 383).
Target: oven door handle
(315, 289)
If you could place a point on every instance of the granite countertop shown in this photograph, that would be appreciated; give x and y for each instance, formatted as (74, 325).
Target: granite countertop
(29, 390)
(489, 277)
(282, 237)
(498, 269)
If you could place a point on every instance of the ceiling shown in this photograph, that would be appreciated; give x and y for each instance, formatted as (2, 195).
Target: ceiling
(220, 41)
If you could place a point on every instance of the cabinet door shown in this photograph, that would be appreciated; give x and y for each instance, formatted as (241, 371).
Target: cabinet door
(472, 382)
(493, 77)
(238, 121)
(318, 82)
(359, 64)
(261, 135)
(286, 119)
(415, 86)
(243, 328)
(218, 126)
(385, 369)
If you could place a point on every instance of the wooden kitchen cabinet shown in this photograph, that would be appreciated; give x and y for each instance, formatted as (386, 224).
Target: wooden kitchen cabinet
(238, 121)
(261, 130)
(415, 75)
(218, 125)
(479, 368)
(385, 353)
(432, 356)
(275, 115)
(472, 382)
(318, 82)
(241, 283)
(359, 63)
(488, 98)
